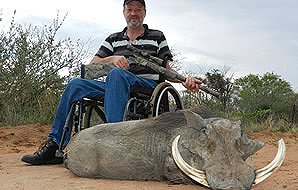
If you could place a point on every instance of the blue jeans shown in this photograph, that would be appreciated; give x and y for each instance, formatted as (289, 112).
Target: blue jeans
(116, 92)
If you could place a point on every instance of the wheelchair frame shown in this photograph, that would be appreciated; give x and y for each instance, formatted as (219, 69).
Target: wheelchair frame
(150, 105)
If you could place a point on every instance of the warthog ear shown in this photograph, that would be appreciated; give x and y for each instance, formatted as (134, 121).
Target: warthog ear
(203, 111)
(248, 147)
(194, 120)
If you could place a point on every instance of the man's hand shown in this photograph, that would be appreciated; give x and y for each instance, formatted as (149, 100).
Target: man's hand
(192, 83)
(120, 61)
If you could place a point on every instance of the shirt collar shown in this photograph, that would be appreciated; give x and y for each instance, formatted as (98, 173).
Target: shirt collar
(124, 35)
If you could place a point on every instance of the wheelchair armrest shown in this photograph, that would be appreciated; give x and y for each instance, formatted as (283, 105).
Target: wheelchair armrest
(83, 71)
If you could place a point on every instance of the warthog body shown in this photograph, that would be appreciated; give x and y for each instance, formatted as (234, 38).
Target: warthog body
(142, 150)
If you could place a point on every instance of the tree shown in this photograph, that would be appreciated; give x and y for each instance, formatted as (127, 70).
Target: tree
(265, 95)
(30, 61)
(222, 84)
(219, 82)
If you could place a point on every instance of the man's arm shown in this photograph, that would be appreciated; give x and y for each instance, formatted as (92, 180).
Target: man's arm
(190, 83)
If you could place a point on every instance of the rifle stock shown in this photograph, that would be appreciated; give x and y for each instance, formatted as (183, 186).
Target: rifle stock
(95, 71)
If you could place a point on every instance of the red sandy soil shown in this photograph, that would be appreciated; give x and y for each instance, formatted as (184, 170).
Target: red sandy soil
(20, 140)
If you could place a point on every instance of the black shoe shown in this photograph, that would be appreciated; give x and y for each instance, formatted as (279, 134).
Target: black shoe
(45, 155)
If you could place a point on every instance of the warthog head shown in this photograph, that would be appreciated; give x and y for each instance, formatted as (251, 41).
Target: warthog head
(180, 147)
(220, 151)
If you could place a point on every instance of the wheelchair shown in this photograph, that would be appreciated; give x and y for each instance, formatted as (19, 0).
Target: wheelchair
(143, 103)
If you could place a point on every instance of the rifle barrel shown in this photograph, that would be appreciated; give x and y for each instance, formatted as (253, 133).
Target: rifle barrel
(169, 74)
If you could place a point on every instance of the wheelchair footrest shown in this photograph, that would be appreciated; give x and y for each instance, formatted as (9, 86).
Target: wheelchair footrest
(135, 116)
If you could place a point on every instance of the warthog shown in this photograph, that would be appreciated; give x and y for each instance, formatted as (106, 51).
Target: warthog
(179, 147)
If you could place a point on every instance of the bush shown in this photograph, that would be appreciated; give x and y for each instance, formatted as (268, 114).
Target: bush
(30, 62)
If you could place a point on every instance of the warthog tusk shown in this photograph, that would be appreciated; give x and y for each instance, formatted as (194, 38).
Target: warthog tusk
(195, 174)
(263, 173)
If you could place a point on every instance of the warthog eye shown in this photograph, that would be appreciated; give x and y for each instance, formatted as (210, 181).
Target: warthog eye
(203, 134)
(204, 130)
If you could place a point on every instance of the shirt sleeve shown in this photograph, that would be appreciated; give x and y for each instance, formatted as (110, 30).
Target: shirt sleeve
(164, 50)
(106, 49)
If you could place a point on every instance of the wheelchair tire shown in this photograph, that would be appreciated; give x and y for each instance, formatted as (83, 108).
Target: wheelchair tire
(94, 115)
(162, 90)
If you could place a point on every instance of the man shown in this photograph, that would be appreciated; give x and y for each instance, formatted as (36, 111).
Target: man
(119, 80)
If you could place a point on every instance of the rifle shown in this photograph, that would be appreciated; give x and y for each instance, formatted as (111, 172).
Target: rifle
(145, 59)
(93, 71)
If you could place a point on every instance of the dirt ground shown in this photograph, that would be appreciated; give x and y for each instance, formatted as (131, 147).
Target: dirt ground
(20, 140)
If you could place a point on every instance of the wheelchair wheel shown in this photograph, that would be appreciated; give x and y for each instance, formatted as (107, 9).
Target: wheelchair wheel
(94, 115)
(135, 109)
(165, 98)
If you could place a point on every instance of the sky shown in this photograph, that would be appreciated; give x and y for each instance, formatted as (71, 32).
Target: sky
(240, 36)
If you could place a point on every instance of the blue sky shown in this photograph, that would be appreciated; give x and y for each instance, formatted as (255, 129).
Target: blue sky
(247, 37)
